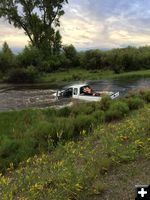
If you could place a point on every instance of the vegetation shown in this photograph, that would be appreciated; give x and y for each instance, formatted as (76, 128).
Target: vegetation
(70, 65)
(25, 75)
(38, 19)
(76, 169)
(29, 132)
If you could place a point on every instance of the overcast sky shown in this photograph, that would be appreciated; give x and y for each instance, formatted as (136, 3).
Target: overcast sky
(95, 24)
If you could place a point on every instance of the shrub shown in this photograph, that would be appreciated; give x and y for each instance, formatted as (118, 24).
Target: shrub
(50, 65)
(84, 108)
(146, 96)
(99, 116)
(135, 103)
(50, 113)
(22, 75)
(8, 153)
(76, 77)
(117, 111)
(83, 123)
(64, 128)
(105, 103)
(64, 112)
(41, 135)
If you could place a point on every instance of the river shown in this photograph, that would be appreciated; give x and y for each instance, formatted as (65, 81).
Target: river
(16, 97)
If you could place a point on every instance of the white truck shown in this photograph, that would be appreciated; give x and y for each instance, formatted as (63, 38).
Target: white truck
(78, 92)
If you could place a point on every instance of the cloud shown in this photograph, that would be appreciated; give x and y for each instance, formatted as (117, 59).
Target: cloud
(96, 24)
(14, 37)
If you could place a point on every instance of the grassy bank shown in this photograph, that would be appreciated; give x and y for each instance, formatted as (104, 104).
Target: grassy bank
(81, 75)
(81, 169)
(29, 132)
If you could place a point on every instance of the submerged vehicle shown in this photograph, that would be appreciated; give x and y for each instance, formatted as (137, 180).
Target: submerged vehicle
(84, 92)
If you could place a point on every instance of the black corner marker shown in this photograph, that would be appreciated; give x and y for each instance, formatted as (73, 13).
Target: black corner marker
(142, 192)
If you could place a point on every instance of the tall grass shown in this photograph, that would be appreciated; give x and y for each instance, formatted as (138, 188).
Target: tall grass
(82, 74)
(29, 132)
(75, 170)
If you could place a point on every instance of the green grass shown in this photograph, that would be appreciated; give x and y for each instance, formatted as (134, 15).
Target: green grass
(82, 75)
(77, 169)
(29, 132)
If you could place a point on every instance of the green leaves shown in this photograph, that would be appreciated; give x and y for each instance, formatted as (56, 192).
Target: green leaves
(37, 18)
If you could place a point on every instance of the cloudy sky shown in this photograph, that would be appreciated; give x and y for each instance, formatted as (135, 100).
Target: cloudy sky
(95, 24)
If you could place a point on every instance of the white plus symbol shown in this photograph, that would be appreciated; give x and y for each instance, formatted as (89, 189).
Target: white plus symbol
(142, 192)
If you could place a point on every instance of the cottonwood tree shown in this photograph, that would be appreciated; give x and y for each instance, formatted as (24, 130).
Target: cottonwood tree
(39, 20)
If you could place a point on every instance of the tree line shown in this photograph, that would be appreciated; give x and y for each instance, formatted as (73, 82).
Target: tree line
(45, 53)
(118, 60)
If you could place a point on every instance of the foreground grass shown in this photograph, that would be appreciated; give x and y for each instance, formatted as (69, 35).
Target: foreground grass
(29, 132)
(82, 75)
(121, 180)
(76, 170)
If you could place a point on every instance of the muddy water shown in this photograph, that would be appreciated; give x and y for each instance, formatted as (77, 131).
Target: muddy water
(14, 97)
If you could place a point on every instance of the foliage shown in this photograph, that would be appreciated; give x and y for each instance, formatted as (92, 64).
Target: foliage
(22, 75)
(7, 59)
(38, 19)
(146, 96)
(29, 56)
(116, 111)
(71, 54)
(135, 103)
(75, 170)
(29, 132)
(105, 103)
(91, 64)
(92, 59)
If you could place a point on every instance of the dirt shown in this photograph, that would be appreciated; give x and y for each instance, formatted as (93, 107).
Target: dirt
(121, 181)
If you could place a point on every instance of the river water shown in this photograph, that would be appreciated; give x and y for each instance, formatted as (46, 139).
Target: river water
(14, 97)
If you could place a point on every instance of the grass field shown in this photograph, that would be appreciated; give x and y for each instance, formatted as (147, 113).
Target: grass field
(112, 154)
(81, 75)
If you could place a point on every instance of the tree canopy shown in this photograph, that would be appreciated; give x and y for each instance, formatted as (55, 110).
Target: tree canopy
(38, 19)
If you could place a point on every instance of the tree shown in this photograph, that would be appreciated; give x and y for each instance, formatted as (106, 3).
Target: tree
(7, 59)
(29, 56)
(92, 59)
(38, 18)
(71, 54)
(57, 43)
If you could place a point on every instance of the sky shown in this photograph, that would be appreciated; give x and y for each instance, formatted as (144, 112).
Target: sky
(90, 24)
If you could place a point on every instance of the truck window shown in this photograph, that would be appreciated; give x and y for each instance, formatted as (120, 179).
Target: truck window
(68, 92)
(75, 92)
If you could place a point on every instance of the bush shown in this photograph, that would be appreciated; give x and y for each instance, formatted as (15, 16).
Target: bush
(8, 153)
(146, 96)
(83, 123)
(42, 135)
(84, 108)
(50, 65)
(64, 112)
(117, 111)
(105, 103)
(135, 103)
(64, 128)
(22, 75)
(99, 116)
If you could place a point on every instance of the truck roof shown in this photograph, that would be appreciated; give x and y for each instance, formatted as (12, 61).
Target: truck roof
(77, 85)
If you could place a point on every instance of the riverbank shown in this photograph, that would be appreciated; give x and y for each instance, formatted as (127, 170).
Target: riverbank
(71, 153)
(84, 75)
(84, 169)
(59, 78)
